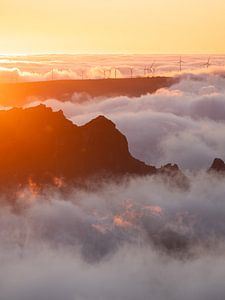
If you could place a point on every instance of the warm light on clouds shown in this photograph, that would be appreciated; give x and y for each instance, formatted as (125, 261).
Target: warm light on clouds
(134, 26)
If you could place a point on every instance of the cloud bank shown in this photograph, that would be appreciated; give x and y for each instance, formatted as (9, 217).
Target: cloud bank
(40, 67)
(183, 124)
(139, 239)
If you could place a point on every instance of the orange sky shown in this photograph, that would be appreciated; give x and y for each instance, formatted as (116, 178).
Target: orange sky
(115, 26)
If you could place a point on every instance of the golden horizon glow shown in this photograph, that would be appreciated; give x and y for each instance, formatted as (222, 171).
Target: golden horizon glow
(108, 27)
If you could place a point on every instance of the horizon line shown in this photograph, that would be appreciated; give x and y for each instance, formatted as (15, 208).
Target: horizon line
(4, 54)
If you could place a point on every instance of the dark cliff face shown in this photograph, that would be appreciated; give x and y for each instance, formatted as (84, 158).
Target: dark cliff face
(42, 144)
(218, 166)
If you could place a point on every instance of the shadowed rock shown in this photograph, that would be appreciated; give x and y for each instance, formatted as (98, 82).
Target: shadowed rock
(173, 174)
(42, 147)
(218, 165)
(42, 144)
(12, 94)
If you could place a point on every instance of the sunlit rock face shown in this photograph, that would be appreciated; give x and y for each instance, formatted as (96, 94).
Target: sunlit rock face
(42, 144)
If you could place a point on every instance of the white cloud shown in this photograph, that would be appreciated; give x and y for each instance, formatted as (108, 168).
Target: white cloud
(184, 124)
(39, 67)
(56, 248)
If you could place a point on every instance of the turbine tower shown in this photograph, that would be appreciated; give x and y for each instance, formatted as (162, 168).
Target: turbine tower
(180, 63)
(82, 74)
(131, 72)
(106, 73)
(148, 70)
(115, 72)
(208, 63)
(145, 70)
(153, 69)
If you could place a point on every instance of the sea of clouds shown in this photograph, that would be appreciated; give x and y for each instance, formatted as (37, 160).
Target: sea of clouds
(142, 238)
(183, 124)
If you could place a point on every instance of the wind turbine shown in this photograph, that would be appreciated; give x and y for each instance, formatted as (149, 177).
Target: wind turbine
(145, 70)
(82, 74)
(148, 70)
(109, 71)
(115, 72)
(153, 69)
(208, 63)
(180, 63)
(131, 72)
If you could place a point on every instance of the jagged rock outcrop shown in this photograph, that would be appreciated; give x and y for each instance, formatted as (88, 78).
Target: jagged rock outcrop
(174, 175)
(44, 146)
(169, 169)
(39, 143)
(218, 166)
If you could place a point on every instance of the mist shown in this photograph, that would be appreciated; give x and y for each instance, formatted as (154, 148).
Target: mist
(139, 238)
(142, 238)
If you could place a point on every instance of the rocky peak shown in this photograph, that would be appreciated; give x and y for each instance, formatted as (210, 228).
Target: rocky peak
(101, 121)
(218, 165)
(41, 143)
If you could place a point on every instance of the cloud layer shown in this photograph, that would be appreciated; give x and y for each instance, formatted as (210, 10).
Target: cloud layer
(139, 239)
(184, 124)
(40, 67)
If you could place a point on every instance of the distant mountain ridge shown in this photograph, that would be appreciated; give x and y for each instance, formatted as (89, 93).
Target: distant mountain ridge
(14, 94)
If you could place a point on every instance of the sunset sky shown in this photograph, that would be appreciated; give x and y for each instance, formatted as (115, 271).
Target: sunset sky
(116, 26)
